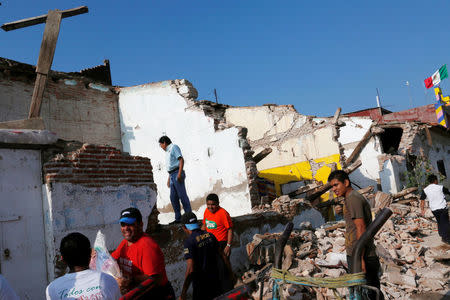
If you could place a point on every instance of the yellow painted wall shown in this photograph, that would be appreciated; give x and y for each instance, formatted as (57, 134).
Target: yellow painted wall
(300, 171)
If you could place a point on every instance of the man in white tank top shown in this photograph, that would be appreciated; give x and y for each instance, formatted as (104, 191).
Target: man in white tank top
(438, 205)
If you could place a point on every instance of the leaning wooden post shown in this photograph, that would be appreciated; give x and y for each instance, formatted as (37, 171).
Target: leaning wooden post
(45, 60)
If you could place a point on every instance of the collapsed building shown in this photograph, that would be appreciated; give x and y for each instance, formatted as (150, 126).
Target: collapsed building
(96, 151)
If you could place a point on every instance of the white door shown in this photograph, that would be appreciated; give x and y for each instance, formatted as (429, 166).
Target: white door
(22, 241)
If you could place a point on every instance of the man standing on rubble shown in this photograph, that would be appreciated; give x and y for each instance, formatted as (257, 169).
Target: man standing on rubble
(140, 258)
(175, 181)
(438, 205)
(357, 216)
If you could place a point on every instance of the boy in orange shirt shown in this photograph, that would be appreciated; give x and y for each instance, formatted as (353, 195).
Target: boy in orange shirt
(217, 221)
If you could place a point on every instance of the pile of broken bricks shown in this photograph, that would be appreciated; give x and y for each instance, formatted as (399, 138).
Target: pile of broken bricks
(412, 256)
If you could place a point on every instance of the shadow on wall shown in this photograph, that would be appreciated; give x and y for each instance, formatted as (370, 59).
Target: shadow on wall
(362, 181)
(127, 133)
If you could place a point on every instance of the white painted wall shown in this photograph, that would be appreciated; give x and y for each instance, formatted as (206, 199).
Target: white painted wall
(214, 161)
(76, 208)
(350, 135)
(21, 226)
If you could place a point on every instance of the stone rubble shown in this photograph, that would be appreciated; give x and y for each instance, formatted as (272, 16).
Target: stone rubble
(411, 266)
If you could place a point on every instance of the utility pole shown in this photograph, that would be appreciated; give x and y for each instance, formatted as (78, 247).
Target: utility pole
(215, 94)
(52, 22)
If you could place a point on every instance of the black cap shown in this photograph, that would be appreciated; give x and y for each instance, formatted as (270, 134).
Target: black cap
(189, 220)
(130, 215)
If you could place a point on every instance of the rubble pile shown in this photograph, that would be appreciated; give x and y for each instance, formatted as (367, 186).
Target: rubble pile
(411, 264)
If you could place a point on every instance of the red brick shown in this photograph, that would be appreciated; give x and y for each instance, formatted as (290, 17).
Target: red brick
(94, 156)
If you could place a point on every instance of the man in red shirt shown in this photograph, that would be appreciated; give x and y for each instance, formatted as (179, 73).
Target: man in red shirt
(139, 257)
(217, 221)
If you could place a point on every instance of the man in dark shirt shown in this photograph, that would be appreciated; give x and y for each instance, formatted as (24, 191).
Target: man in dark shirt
(357, 216)
(205, 268)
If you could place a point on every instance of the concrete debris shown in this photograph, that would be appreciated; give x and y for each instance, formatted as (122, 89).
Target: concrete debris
(408, 246)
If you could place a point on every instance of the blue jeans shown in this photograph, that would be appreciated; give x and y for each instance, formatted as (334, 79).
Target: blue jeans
(177, 194)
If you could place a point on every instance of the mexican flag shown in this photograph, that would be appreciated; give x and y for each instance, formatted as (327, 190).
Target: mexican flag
(437, 77)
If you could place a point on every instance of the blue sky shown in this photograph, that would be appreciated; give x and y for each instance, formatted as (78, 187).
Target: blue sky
(317, 55)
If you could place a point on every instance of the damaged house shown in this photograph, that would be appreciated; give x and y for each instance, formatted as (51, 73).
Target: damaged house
(306, 148)
(96, 152)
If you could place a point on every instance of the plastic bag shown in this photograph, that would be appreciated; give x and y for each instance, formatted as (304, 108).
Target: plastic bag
(103, 261)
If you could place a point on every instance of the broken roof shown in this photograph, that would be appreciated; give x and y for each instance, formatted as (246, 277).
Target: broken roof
(100, 73)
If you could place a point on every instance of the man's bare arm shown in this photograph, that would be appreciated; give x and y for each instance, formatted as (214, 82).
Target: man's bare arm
(187, 277)
(227, 249)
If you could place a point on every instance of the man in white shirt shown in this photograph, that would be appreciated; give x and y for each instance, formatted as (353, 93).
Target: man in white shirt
(81, 282)
(438, 205)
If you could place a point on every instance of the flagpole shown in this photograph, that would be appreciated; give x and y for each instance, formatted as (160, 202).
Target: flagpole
(409, 93)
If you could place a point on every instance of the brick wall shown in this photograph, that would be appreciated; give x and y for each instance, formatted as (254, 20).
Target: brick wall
(75, 107)
(85, 189)
(96, 166)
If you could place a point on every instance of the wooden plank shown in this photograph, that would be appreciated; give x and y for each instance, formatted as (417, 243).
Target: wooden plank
(38, 94)
(336, 116)
(41, 19)
(261, 155)
(35, 123)
(404, 192)
(305, 189)
(324, 188)
(49, 40)
(45, 60)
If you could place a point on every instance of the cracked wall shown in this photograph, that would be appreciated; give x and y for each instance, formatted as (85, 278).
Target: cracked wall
(73, 106)
(306, 148)
(216, 155)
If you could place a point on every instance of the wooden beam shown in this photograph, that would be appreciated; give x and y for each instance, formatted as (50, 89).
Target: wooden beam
(336, 116)
(324, 188)
(305, 189)
(45, 60)
(404, 192)
(35, 123)
(48, 45)
(261, 155)
(42, 19)
(38, 94)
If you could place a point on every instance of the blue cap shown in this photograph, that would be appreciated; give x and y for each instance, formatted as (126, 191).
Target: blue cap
(192, 226)
(127, 220)
(130, 215)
